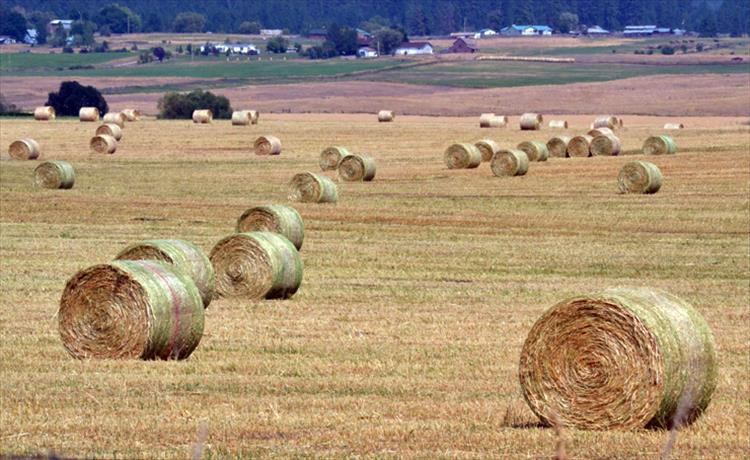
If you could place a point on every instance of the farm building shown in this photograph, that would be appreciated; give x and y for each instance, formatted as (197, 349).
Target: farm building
(412, 48)
(367, 52)
(597, 31)
(639, 31)
(462, 34)
(363, 37)
(30, 38)
(6, 40)
(462, 45)
(271, 32)
(55, 24)
(525, 30)
(485, 33)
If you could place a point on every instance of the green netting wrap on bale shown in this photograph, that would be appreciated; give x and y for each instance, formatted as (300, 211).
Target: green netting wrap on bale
(462, 156)
(488, 148)
(55, 174)
(580, 146)
(357, 167)
(620, 359)
(558, 146)
(605, 145)
(535, 150)
(257, 265)
(510, 162)
(183, 255)
(639, 177)
(330, 157)
(276, 218)
(131, 309)
(659, 145)
(312, 188)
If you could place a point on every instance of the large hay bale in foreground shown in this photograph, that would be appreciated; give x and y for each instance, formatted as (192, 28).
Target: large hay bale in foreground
(110, 129)
(386, 115)
(488, 148)
(183, 256)
(132, 114)
(241, 118)
(600, 132)
(203, 116)
(509, 162)
(560, 124)
(44, 113)
(605, 145)
(103, 143)
(117, 118)
(639, 177)
(621, 359)
(88, 114)
(531, 121)
(55, 174)
(312, 188)
(579, 146)
(267, 145)
(330, 157)
(462, 156)
(357, 167)
(659, 145)
(276, 218)
(535, 150)
(256, 265)
(558, 146)
(131, 309)
(673, 126)
(24, 149)
(609, 121)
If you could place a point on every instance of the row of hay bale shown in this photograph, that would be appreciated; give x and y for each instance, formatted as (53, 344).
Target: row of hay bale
(54, 174)
(351, 167)
(603, 142)
(47, 113)
(533, 121)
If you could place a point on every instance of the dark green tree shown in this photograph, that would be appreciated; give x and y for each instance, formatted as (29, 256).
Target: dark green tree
(249, 27)
(153, 23)
(387, 40)
(277, 44)
(120, 19)
(83, 33)
(72, 96)
(190, 21)
(181, 106)
(12, 24)
(567, 21)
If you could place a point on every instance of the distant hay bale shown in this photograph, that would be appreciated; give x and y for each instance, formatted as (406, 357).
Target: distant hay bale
(240, 118)
(386, 115)
(674, 126)
(130, 309)
(103, 143)
(621, 359)
(276, 218)
(605, 145)
(558, 146)
(88, 114)
(490, 120)
(254, 116)
(330, 157)
(639, 177)
(183, 256)
(580, 146)
(563, 124)
(203, 116)
(357, 167)
(531, 121)
(509, 162)
(488, 148)
(44, 113)
(462, 156)
(600, 132)
(609, 121)
(267, 145)
(132, 114)
(659, 145)
(312, 188)
(535, 150)
(117, 118)
(55, 174)
(24, 149)
(256, 265)
(110, 129)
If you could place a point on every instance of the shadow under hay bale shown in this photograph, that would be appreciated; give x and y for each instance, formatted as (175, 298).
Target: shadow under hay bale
(312, 188)
(356, 168)
(276, 218)
(462, 156)
(639, 177)
(55, 174)
(509, 162)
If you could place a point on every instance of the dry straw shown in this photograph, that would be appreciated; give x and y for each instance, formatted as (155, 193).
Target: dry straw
(24, 149)
(357, 167)
(254, 116)
(330, 157)
(241, 118)
(490, 120)
(579, 146)
(256, 265)
(558, 146)
(600, 132)
(267, 145)
(535, 150)
(103, 143)
(488, 148)
(55, 174)
(674, 126)
(563, 124)
(659, 145)
(132, 114)
(531, 121)
(110, 129)
(44, 113)
(276, 218)
(312, 188)
(117, 118)
(639, 177)
(386, 115)
(462, 156)
(609, 121)
(510, 162)
(621, 359)
(183, 256)
(605, 145)
(203, 116)
(131, 309)
(88, 114)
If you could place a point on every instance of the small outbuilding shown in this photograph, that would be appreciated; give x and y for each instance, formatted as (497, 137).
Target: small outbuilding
(462, 45)
(413, 48)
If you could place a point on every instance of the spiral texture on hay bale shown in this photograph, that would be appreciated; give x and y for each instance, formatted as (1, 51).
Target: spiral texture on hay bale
(110, 129)
(659, 145)
(673, 126)
(639, 177)
(600, 132)
(267, 145)
(620, 359)
(509, 162)
(132, 114)
(462, 156)
(357, 167)
(488, 148)
(579, 146)
(312, 188)
(386, 115)
(117, 118)
(44, 113)
(330, 157)
(88, 114)
(531, 121)
(103, 143)
(535, 150)
(131, 309)
(563, 124)
(605, 145)
(558, 146)
(183, 256)
(55, 174)
(203, 116)
(240, 118)
(24, 149)
(276, 218)
(256, 265)
(609, 121)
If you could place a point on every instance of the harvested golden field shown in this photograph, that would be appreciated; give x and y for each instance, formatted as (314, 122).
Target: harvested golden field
(419, 288)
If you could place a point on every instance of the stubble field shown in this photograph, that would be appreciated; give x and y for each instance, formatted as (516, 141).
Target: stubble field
(419, 289)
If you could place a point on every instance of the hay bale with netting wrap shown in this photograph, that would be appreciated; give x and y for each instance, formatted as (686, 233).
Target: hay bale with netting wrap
(462, 156)
(183, 256)
(357, 167)
(559, 124)
(44, 113)
(386, 115)
(580, 146)
(110, 129)
(276, 218)
(267, 145)
(204, 116)
(488, 148)
(257, 265)
(24, 149)
(103, 143)
(639, 177)
(511, 162)
(240, 118)
(621, 359)
(330, 157)
(88, 114)
(535, 150)
(558, 146)
(673, 126)
(609, 121)
(531, 121)
(659, 145)
(605, 145)
(117, 118)
(308, 187)
(132, 114)
(601, 132)
(55, 174)
(131, 309)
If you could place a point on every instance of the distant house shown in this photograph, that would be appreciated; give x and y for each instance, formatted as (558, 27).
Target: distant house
(367, 52)
(462, 45)
(484, 33)
(243, 48)
(525, 30)
(462, 34)
(6, 40)
(57, 24)
(597, 31)
(412, 48)
(363, 37)
(639, 31)
(31, 37)
(271, 32)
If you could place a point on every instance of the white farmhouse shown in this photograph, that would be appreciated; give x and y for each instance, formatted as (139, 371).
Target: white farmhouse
(412, 48)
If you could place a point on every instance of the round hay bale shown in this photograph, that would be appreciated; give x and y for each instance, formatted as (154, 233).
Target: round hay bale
(312, 188)
(88, 114)
(485, 120)
(256, 265)
(183, 256)
(609, 121)
(276, 218)
(639, 177)
(330, 157)
(357, 167)
(44, 113)
(55, 174)
(673, 126)
(254, 116)
(510, 162)
(531, 121)
(110, 129)
(558, 146)
(580, 146)
(620, 359)
(535, 150)
(132, 114)
(24, 149)
(562, 124)
(488, 148)
(600, 132)
(130, 309)
(462, 156)
(659, 145)
(117, 118)
(103, 143)
(605, 145)
(203, 116)
(386, 115)
(240, 118)
(267, 145)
